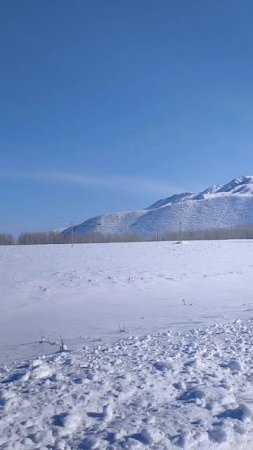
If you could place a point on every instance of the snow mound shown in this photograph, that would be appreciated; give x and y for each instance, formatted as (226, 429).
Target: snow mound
(165, 391)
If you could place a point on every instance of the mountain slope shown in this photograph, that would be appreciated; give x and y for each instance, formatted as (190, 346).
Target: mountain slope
(219, 206)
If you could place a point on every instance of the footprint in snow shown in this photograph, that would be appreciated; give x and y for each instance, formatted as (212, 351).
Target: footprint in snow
(16, 376)
(162, 366)
(242, 413)
(191, 395)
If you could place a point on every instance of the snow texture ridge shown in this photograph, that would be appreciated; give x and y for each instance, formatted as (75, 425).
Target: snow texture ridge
(219, 206)
(190, 390)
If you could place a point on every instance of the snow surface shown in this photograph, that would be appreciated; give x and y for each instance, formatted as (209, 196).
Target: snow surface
(141, 345)
(190, 390)
(219, 206)
(90, 291)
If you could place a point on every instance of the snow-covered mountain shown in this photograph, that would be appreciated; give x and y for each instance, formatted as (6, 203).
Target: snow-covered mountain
(219, 206)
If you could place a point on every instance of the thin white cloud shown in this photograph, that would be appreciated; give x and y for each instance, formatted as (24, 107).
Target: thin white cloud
(133, 184)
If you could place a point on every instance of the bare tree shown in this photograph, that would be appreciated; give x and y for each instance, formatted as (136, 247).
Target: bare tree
(242, 232)
(6, 239)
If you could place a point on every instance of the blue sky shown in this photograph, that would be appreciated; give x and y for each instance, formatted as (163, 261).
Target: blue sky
(110, 105)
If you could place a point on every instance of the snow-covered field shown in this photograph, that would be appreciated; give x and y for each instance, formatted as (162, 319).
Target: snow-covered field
(147, 365)
(90, 291)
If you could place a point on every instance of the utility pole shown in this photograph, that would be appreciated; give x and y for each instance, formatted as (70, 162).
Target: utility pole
(72, 234)
(180, 231)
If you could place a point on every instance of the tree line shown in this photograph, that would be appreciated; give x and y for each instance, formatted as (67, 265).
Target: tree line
(40, 238)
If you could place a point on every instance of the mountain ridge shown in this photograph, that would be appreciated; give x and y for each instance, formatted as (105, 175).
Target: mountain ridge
(218, 206)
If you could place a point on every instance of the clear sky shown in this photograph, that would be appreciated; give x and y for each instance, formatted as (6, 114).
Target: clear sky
(110, 105)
